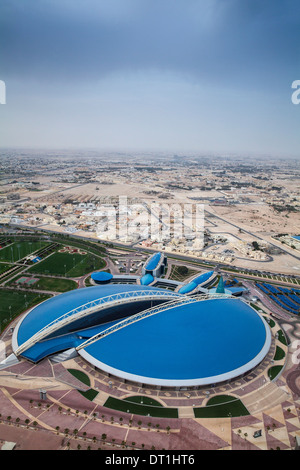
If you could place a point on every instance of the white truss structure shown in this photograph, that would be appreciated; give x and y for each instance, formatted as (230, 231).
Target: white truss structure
(184, 300)
(93, 306)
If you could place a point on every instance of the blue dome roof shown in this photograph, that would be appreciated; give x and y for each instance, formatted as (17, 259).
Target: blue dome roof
(101, 276)
(147, 279)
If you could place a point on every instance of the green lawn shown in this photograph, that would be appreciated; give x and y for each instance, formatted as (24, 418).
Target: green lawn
(84, 378)
(19, 250)
(274, 371)
(46, 283)
(56, 285)
(89, 394)
(68, 265)
(221, 406)
(18, 301)
(80, 376)
(143, 400)
(4, 267)
(281, 337)
(279, 354)
(139, 409)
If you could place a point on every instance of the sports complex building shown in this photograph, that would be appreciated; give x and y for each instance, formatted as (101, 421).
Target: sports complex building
(149, 330)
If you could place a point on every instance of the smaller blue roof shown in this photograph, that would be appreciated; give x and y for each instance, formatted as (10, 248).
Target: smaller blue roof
(203, 277)
(101, 276)
(147, 279)
(153, 261)
(195, 282)
(187, 288)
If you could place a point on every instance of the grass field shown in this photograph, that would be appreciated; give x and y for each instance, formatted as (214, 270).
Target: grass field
(274, 371)
(80, 376)
(4, 267)
(143, 400)
(68, 265)
(19, 250)
(46, 283)
(221, 406)
(139, 409)
(13, 303)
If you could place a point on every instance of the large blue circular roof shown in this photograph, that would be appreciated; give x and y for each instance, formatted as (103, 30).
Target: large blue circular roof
(203, 342)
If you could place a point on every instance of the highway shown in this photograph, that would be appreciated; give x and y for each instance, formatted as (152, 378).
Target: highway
(148, 250)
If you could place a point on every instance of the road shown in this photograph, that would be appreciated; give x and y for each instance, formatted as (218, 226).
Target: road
(149, 250)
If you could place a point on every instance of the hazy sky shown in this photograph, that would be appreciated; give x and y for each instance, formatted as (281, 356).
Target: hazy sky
(179, 75)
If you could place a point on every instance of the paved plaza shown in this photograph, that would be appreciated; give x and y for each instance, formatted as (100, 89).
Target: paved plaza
(65, 419)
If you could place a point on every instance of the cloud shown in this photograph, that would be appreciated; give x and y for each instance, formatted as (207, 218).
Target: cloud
(216, 40)
(187, 73)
